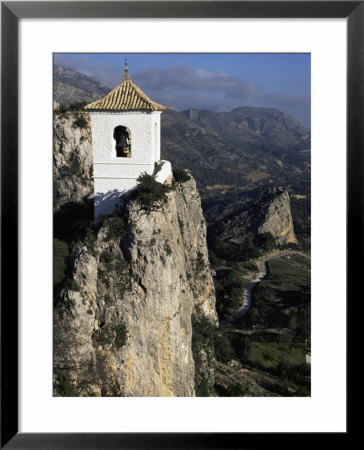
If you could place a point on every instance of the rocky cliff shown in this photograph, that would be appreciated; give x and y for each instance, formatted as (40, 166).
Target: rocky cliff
(270, 215)
(72, 159)
(139, 281)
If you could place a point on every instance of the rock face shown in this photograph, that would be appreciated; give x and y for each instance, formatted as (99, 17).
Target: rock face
(72, 160)
(271, 214)
(274, 216)
(123, 325)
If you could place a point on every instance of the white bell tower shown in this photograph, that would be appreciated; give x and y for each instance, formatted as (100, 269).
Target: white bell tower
(125, 127)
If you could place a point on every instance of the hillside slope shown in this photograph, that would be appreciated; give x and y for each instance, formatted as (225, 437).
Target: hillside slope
(71, 86)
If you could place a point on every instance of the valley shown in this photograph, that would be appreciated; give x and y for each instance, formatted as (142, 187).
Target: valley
(236, 229)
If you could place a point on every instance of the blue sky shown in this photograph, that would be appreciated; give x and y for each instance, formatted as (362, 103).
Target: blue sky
(213, 81)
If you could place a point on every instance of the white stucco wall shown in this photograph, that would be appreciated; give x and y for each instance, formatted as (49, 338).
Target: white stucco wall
(164, 172)
(114, 175)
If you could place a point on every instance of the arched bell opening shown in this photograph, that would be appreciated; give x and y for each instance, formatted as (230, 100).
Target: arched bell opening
(122, 138)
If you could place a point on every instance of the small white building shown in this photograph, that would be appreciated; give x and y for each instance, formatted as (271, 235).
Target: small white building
(125, 127)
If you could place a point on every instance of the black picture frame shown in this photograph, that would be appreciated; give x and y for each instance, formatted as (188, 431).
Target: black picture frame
(11, 12)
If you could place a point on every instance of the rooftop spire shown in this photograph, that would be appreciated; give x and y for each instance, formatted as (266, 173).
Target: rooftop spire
(126, 70)
(125, 97)
(126, 74)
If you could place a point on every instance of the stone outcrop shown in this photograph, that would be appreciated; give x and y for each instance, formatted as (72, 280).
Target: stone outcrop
(123, 321)
(72, 160)
(271, 214)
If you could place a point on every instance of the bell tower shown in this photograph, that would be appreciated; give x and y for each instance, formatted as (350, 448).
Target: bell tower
(125, 127)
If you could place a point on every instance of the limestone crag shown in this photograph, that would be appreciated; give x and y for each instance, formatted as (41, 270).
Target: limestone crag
(126, 313)
(274, 216)
(72, 160)
(271, 214)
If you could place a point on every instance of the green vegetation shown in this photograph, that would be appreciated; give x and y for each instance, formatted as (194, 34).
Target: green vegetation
(282, 298)
(229, 285)
(108, 300)
(62, 384)
(77, 106)
(80, 122)
(121, 335)
(200, 263)
(181, 175)
(181, 224)
(271, 354)
(72, 285)
(266, 241)
(116, 228)
(274, 354)
(203, 332)
(74, 168)
(167, 249)
(150, 194)
(203, 388)
(114, 336)
(223, 350)
(72, 220)
(114, 263)
(60, 259)
(237, 390)
(232, 253)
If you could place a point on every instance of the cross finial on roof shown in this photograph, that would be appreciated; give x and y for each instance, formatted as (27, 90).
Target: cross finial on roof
(126, 61)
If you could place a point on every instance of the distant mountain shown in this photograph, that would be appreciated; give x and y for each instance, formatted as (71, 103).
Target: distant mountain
(241, 150)
(256, 126)
(233, 155)
(70, 86)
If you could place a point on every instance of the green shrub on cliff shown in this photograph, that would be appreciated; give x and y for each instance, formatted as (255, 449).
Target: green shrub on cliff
(151, 194)
(181, 175)
(60, 255)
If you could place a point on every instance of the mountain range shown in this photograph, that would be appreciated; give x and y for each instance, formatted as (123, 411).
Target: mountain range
(234, 156)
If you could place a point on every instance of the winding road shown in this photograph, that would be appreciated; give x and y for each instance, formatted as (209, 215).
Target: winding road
(247, 293)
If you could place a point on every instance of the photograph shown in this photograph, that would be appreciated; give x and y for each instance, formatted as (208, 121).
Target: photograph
(181, 224)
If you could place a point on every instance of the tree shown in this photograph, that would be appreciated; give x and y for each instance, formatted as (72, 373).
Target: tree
(151, 194)
(181, 175)
(266, 241)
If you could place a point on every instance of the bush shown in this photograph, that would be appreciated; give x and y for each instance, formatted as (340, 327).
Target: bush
(108, 300)
(223, 349)
(237, 390)
(150, 194)
(62, 384)
(80, 122)
(200, 263)
(181, 175)
(121, 335)
(116, 228)
(75, 168)
(77, 106)
(61, 110)
(60, 256)
(266, 241)
(113, 336)
(167, 249)
(203, 388)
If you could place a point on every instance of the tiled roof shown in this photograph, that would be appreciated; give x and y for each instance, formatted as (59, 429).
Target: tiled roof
(125, 97)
